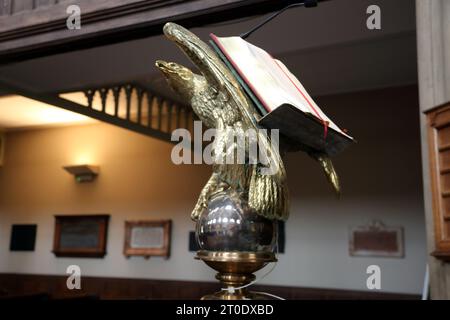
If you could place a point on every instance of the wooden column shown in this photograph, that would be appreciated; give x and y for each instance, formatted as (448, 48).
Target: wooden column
(433, 48)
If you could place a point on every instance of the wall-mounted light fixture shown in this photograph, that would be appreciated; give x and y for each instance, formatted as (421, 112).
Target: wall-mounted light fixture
(83, 173)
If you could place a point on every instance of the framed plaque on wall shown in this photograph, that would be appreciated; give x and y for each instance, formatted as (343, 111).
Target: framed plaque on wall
(80, 235)
(147, 238)
(376, 240)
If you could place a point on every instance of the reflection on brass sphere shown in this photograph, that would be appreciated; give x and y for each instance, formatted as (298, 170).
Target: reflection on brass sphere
(229, 224)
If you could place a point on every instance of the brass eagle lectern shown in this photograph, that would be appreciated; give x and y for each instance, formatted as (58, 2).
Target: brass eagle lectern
(237, 212)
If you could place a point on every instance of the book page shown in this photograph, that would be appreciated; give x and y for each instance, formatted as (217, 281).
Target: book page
(269, 79)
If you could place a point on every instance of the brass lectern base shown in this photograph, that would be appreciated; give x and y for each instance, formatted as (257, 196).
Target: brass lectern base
(235, 269)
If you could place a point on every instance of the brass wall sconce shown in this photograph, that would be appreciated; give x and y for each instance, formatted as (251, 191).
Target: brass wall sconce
(83, 173)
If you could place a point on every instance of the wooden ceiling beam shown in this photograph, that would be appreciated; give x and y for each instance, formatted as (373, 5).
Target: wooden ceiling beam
(42, 31)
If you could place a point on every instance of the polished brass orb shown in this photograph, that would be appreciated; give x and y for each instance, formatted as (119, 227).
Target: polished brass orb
(236, 242)
(229, 224)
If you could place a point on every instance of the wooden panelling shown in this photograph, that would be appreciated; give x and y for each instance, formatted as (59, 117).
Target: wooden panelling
(438, 121)
(446, 226)
(446, 206)
(444, 136)
(444, 159)
(5, 7)
(445, 180)
(17, 285)
(22, 5)
(42, 31)
(44, 3)
(10, 7)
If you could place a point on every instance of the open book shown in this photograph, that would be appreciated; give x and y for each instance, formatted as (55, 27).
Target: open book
(281, 99)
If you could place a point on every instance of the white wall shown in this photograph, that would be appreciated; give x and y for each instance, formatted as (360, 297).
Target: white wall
(381, 179)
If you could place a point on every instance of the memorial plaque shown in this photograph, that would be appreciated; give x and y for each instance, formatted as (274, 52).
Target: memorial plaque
(376, 240)
(147, 238)
(80, 235)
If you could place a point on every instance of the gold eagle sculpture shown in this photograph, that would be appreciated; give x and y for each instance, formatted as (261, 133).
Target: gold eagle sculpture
(219, 101)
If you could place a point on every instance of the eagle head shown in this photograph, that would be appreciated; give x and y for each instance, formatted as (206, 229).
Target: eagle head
(180, 78)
